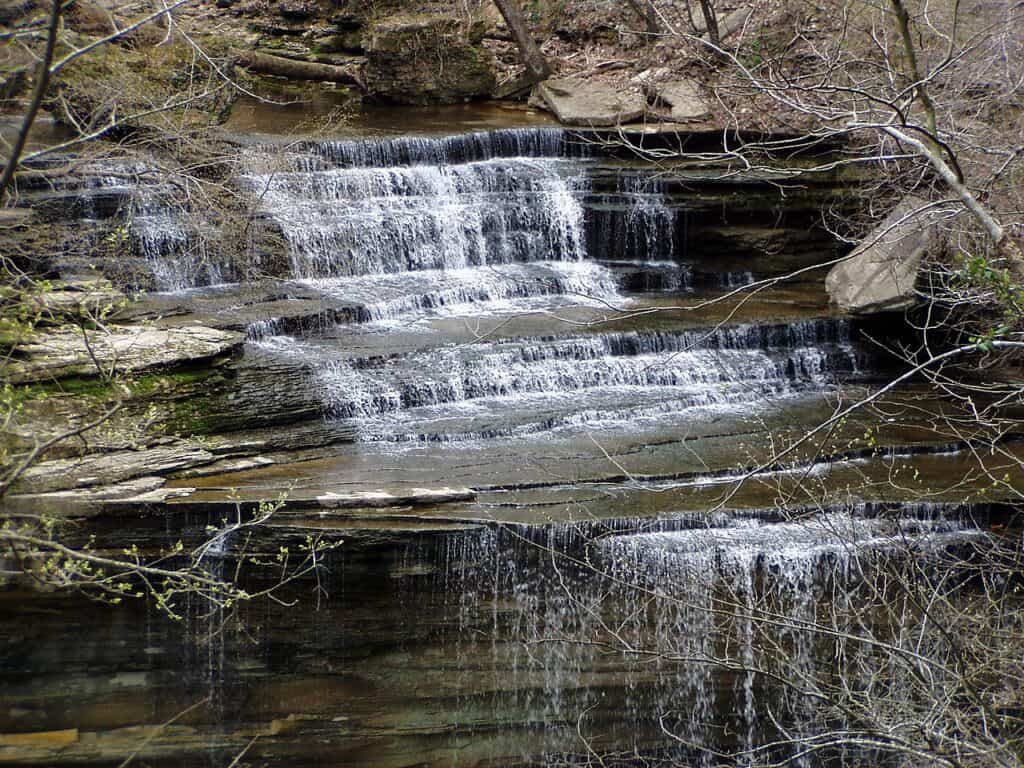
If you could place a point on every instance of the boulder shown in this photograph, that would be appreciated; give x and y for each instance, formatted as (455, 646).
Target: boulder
(426, 59)
(348, 41)
(590, 102)
(881, 273)
(683, 97)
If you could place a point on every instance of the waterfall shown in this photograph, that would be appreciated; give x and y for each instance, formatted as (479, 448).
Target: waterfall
(425, 150)
(176, 250)
(486, 389)
(450, 378)
(634, 223)
(160, 230)
(502, 287)
(406, 207)
(368, 221)
(660, 606)
(649, 223)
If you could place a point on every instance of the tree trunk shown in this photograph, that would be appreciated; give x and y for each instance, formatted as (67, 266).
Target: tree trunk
(909, 50)
(299, 70)
(645, 9)
(710, 22)
(38, 93)
(1005, 247)
(536, 64)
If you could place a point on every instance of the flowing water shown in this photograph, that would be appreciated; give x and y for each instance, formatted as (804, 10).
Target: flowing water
(520, 313)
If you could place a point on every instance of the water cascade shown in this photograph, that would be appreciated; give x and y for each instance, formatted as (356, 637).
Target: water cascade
(614, 377)
(175, 244)
(531, 327)
(668, 606)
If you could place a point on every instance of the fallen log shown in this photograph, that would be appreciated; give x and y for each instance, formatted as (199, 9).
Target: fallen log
(266, 64)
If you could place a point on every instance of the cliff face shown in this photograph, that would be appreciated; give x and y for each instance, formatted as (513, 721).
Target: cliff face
(410, 53)
(424, 59)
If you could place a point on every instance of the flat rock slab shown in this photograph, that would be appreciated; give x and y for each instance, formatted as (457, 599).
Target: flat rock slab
(112, 468)
(591, 103)
(80, 296)
(97, 500)
(881, 273)
(381, 498)
(682, 97)
(121, 349)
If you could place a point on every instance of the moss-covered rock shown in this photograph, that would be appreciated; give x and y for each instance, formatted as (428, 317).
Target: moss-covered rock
(427, 59)
(343, 41)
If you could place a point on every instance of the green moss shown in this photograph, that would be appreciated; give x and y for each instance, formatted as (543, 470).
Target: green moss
(192, 417)
(90, 387)
(167, 383)
(146, 386)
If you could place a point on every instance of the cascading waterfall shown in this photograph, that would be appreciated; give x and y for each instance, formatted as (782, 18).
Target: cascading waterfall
(410, 229)
(662, 603)
(417, 224)
(415, 228)
(634, 222)
(497, 288)
(787, 570)
(426, 150)
(173, 243)
(566, 381)
(513, 313)
(176, 251)
(360, 221)
(633, 230)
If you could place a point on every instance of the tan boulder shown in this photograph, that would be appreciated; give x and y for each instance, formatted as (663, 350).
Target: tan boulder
(682, 97)
(880, 275)
(591, 103)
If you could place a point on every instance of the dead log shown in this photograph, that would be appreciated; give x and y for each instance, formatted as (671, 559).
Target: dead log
(266, 64)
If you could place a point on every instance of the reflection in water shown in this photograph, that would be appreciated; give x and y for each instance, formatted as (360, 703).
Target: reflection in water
(332, 113)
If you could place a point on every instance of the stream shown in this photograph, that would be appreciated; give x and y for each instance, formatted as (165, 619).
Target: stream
(543, 329)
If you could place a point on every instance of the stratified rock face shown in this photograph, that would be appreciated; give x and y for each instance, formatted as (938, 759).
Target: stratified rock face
(591, 103)
(881, 273)
(122, 349)
(426, 59)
